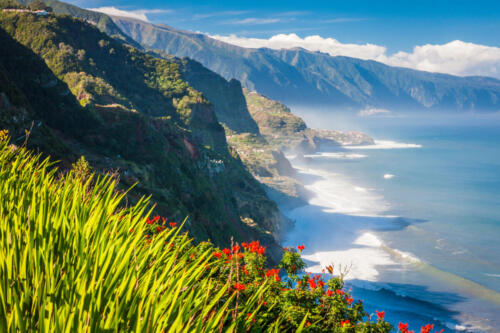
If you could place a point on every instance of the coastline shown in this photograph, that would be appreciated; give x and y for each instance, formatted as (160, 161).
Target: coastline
(339, 225)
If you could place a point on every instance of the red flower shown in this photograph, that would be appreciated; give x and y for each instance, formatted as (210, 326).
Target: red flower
(403, 327)
(329, 293)
(271, 272)
(172, 224)
(427, 328)
(249, 315)
(217, 255)
(239, 286)
(380, 315)
(254, 246)
(345, 322)
(312, 284)
(226, 251)
(301, 247)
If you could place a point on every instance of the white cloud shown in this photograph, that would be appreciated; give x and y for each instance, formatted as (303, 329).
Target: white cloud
(456, 57)
(312, 43)
(139, 14)
(254, 21)
(368, 112)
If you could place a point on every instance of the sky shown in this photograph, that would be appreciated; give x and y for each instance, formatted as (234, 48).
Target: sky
(456, 37)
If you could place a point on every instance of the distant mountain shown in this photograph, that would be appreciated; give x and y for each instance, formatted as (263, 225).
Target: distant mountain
(300, 77)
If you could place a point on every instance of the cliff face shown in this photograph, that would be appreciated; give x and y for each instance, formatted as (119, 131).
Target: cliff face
(226, 96)
(133, 114)
(290, 133)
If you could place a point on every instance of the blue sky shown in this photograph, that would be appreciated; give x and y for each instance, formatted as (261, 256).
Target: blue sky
(397, 25)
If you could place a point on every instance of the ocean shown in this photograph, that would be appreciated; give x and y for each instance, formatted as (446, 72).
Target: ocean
(414, 218)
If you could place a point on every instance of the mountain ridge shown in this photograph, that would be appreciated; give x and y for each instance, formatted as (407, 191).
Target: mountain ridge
(301, 77)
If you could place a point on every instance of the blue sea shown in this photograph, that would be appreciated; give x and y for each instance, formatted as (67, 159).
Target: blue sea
(414, 219)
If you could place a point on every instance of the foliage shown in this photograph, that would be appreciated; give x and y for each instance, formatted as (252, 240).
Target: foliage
(81, 169)
(73, 258)
(39, 5)
(10, 4)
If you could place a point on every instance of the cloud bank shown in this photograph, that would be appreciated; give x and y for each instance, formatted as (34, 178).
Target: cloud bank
(140, 14)
(456, 57)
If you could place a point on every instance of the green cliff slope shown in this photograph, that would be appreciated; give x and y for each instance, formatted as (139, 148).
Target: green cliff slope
(88, 94)
(289, 132)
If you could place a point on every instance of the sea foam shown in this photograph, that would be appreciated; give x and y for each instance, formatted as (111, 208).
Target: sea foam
(387, 144)
(336, 155)
(338, 226)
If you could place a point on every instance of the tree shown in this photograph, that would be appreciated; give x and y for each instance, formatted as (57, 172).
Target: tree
(37, 5)
(10, 4)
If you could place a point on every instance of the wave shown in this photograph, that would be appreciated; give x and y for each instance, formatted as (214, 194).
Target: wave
(336, 194)
(401, 305)
(336, 155)
(492, 275)
(387, 144)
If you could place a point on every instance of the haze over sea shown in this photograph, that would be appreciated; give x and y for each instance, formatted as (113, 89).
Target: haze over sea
(417, 215)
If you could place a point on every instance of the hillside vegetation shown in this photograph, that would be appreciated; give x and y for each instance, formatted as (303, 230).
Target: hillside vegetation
(59, 77)
(102, 21)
